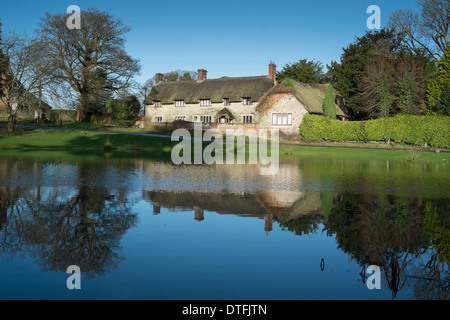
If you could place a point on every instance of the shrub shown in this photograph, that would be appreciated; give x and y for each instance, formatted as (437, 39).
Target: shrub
(431, 131)
(108, 146)
(329, 106)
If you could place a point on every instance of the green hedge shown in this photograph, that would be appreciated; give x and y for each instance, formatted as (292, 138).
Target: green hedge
(415, 130)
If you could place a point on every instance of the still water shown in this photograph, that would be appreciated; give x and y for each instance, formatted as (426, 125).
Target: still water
(146, 229)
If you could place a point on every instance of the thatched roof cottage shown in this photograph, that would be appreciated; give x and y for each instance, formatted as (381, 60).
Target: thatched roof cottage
(256, 100)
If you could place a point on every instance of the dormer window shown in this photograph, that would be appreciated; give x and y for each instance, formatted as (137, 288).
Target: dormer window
(226, 101)
(158, 104)
(205, 102)
(179, 103)
(246, 101)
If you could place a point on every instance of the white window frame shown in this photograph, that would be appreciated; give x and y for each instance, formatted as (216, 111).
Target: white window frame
(226, 102)
(179, 103)
(157, 104)
(247, 101)
(204, 102)
(158, 119)
(180, 118)
(282, 119)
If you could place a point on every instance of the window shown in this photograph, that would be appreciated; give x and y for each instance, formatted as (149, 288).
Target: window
(158, 104)
(282, 119)
(247, 119)
(158, 119)
(180, 118)
(246, 101)
(205, 102)
(180, 103)
(205, 119)
(226, 101)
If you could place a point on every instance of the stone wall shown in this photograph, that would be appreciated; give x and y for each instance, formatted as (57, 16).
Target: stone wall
(283, 103)
(170, 112)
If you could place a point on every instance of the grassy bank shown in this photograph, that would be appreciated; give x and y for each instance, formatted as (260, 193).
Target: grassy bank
(81, 142)
(90, 142)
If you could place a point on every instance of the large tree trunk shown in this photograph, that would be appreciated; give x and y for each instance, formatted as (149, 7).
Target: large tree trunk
(11, 122)
(82, 109)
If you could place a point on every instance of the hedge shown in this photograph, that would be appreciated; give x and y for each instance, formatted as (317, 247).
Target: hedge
(433, 131)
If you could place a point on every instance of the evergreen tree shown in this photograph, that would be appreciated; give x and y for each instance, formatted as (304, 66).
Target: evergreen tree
(440, 83)
(443, 106)
(303, 71)
(329, 106)
(347, 74)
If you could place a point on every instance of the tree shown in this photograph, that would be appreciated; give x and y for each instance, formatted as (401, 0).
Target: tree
(347, 74)
(99, 93)
(125, 110)
(389, 86)
(26, 74)
(2, 65)
(443, 106)
(303, 71)
(78, 54)
(425, 32)
(329, 106)
(442, 80)
(376, 89)
(409, 85)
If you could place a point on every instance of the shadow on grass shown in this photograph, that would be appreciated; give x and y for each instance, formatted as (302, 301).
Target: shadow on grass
(122, 146)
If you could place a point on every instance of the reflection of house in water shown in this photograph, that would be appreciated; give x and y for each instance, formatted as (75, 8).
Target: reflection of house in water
(230, 189)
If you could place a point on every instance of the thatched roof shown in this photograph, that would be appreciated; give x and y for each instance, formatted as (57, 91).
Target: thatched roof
(192, 91)
(311, 96)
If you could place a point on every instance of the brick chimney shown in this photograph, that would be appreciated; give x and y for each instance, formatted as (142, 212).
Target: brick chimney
(273, 71)
(201, 75)
(159, 77)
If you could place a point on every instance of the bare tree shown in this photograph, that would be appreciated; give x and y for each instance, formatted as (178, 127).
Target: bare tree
(25, 76)
(425, 32)
(78, 53)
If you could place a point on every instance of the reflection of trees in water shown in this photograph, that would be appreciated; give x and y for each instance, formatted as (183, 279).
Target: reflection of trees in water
(300, 226)
(393, 233)
(61, 227)
(437, 220)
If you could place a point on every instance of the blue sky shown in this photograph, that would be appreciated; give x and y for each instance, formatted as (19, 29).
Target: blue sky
(227, 38)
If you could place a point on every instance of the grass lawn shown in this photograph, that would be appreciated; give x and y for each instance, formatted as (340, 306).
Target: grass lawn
(84, 142)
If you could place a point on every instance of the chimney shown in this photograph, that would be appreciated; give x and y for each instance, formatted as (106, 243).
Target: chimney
(159, 77)
(273, 71)
(201, 75)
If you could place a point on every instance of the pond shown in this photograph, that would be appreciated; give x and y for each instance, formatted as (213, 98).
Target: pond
(139, 228)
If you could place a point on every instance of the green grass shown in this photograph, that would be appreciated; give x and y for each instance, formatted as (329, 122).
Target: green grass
(363, 154)
(83, 142)
(92, 126)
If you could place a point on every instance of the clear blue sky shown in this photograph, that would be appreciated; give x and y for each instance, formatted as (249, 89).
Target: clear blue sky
(227, 38)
